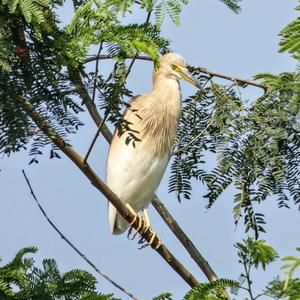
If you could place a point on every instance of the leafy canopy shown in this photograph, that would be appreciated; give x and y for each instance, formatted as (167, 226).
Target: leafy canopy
(21, 279)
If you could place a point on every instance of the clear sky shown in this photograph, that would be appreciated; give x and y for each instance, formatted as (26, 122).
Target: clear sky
(210, 36)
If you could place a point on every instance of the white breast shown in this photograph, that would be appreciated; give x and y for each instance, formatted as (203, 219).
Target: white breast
(133, 175)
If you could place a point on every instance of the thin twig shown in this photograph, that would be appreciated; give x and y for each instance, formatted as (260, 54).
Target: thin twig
(240, 81)
(130, 67)
(98, 183)
(83, 256)
(90, 105)
(96, 72)
(262, 294)
(105, 56)
(148, 16)
(192, 141)
(249, 282)
(95, 138)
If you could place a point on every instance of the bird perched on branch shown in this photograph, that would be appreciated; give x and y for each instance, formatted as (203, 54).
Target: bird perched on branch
(135, 169)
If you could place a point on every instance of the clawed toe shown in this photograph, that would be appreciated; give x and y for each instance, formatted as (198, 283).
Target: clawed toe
(143, 227)
(152, 239)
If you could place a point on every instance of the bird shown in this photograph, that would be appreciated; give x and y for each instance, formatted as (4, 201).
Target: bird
(135, 166)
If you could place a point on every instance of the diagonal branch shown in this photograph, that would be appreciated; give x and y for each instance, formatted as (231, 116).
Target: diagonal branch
(75, 78)
(71, 244)
(158, 205)
(210, 74)
(183, 238)
(106, 191)
(95, 138)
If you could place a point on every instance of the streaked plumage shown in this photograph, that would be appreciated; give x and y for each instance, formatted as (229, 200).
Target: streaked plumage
(135, 171)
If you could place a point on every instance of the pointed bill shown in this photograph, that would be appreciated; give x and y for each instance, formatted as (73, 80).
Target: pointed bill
(187, 76)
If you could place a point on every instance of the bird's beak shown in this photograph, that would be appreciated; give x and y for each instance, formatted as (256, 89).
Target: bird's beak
(187, 76)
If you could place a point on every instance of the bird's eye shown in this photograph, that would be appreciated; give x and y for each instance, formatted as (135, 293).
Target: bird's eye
(174, 67)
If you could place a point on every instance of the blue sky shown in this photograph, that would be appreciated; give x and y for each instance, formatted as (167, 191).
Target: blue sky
(210, 36)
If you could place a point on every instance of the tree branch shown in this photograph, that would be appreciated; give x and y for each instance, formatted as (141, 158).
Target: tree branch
(158, 205)
(211, 74)
(83, 256)
(95, 138)
(106, 191)
(96, 72)
(104, 56)
(183, 238)
(74, 76)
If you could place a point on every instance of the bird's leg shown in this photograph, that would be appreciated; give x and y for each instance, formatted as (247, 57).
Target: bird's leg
(146, 228)
(136, 216)
(146, 218)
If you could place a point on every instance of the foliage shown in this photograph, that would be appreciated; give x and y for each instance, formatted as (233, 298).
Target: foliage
(275, 289)
(163, 296)
(291, 37)
(256, 145)
(290, 287)
(21, 279)
(173, 8)
(210, 291)
(252, 254)
(292, 266)
(255, 253)
(38, 53)
(232, 4)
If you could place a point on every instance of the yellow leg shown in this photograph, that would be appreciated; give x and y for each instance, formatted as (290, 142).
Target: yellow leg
(132, 210)
(147, 227)
(146, 218)
(136, 216)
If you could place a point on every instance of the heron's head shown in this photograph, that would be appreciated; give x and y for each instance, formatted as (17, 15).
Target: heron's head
(175, 66)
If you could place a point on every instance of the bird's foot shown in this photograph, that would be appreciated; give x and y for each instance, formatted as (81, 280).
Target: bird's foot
(143, 227)
(152, 239)
(139, 218)
(136, 217)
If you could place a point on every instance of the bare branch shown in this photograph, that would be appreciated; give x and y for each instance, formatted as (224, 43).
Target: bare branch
(90, 105)
(107, 192)
(83, 256)
(184, 239)
(103, 56)
(211, 74)
(238, 81)
(95, 138)
(96, 72)
(193, 140)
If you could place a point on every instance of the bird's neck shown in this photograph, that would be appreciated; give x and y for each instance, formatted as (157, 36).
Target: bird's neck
(166, 93)
(161, 115)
